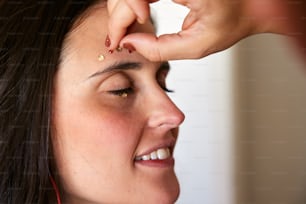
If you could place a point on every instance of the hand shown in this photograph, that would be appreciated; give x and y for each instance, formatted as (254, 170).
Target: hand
(209, 27)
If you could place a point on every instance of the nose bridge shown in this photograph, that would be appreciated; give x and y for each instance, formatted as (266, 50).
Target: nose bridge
(162, 111)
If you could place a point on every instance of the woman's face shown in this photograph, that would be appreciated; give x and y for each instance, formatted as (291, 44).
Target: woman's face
(114, 126)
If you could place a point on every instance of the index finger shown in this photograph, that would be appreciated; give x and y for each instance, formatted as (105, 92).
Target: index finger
(120, 19)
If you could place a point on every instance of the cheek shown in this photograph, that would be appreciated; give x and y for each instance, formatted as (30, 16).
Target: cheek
(101, 136)
(92, 145)
(95, 126)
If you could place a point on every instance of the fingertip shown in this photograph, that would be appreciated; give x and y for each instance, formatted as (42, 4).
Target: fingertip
(144, 44)
(140, 20)
(113, 44)
(113, 38)
(129, 47)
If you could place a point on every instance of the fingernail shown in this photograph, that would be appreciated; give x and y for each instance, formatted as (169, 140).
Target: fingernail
(107, 41)
(129, 47)
(110, 51)
(140, 21)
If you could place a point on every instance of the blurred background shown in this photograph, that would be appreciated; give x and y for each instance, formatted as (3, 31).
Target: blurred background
(244, 137)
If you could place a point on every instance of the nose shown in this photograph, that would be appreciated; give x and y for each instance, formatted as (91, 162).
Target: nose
(163, 112)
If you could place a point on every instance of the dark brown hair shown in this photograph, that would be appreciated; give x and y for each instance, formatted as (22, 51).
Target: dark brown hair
(31, 38)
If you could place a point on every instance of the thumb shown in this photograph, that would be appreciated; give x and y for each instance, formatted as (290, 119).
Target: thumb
(165, 47)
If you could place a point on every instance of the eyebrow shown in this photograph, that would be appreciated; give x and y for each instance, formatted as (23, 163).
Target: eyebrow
(164, 66)
(119, 66)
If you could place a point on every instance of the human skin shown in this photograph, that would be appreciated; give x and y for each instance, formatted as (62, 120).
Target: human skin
(210, 26)
(99, 131)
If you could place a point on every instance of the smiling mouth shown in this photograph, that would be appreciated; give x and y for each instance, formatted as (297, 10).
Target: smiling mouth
(159, 154)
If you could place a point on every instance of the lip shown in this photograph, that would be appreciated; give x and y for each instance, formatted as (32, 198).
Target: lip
(165, 163)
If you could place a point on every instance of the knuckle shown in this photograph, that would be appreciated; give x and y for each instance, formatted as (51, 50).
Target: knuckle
(154, 55)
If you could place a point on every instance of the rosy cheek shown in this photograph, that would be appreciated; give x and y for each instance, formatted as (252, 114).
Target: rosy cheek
(109, 132)
(119, 128)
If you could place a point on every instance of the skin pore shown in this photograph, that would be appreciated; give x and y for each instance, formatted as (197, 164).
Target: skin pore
(108, 113)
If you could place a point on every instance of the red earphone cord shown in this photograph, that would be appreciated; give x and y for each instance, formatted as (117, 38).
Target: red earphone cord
(56, 190)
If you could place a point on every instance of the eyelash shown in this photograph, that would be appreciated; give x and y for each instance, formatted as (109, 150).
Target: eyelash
(129, 90)
(167, 90)
(121, 92)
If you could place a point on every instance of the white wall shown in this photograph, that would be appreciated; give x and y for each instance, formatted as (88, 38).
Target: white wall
(203, 90)
(270, 142)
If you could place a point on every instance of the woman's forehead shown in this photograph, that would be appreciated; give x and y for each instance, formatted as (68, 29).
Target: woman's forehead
(91, 29)
(95, 20)
(86, 42)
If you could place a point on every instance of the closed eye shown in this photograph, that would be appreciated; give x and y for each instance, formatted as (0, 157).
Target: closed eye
(122, 92)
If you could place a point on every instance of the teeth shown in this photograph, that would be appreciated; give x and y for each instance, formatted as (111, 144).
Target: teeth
(163, 153)
(145, 157)
(154, 155)
(160, 154)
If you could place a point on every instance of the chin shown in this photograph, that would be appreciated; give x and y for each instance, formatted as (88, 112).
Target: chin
(171, 198)
(167, 194)
(167, 197)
